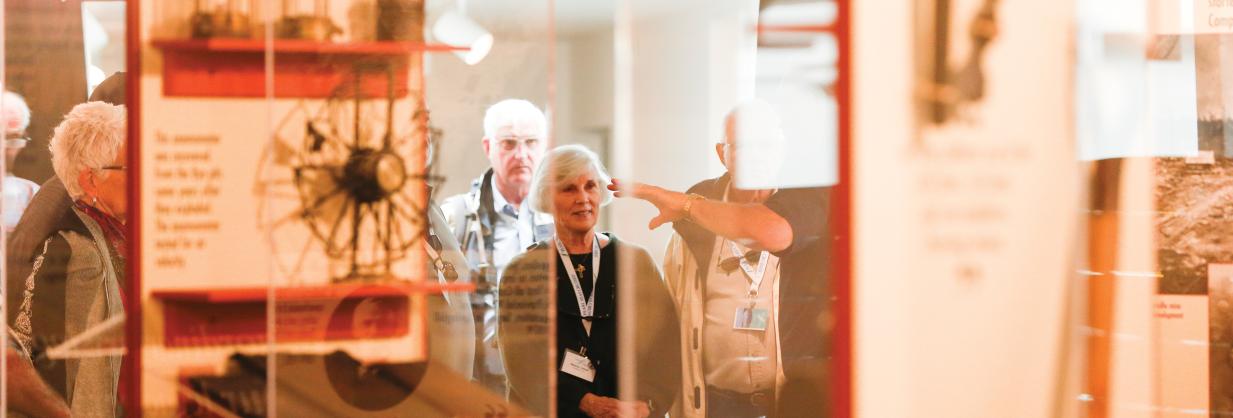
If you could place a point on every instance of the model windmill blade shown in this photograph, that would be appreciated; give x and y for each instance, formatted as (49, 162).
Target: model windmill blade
(316, 138)
(353, 184)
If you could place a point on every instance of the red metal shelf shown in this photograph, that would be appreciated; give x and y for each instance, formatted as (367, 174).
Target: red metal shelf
(302, 69)
(259, 294)
(213, 317)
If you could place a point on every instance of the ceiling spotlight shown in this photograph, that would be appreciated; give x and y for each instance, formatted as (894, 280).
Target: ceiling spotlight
(457, 30)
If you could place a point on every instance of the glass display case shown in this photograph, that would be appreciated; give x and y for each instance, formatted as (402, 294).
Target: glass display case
(427, 208)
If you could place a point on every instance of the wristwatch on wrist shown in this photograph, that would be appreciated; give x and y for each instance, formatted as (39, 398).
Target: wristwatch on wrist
(689, 204)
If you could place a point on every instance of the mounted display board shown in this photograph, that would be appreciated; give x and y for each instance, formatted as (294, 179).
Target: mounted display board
(966, 194)
(288, 219)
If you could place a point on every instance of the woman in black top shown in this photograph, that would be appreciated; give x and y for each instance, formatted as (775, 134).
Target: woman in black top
(585, 363)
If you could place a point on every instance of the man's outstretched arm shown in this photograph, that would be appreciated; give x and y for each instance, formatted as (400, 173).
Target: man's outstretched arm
(751, 224)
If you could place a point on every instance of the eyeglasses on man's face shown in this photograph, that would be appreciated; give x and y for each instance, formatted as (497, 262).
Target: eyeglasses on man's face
(511, 143)
(16, 142)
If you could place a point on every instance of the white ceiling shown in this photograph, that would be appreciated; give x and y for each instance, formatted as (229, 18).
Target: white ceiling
(528, 18)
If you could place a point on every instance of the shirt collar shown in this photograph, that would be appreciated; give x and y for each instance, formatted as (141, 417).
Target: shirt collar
(499, 203)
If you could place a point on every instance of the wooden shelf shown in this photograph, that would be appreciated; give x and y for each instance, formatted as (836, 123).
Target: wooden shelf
(302, 69)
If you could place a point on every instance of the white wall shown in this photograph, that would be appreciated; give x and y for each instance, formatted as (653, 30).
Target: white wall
(590, 93)
(584, 90)
(686, 73)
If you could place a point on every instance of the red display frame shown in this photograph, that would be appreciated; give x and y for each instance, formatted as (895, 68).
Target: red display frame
(304, 69)
(843, 384)
(131, 387)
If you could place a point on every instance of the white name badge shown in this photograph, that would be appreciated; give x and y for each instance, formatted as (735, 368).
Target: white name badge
(578, 366)
(753, 319)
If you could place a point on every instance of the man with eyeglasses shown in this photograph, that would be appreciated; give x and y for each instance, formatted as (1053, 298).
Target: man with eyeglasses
(17, 191)
(491, 222)
(747, 268)
(27, 392)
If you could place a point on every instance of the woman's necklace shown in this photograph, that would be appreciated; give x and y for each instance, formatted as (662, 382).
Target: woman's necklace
(579, 262)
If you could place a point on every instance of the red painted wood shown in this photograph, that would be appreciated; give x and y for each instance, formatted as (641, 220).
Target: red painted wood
(843, 389)
(134, 321)
(302, 69)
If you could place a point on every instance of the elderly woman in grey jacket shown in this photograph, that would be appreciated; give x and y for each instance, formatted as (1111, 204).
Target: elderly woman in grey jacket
(77, 279)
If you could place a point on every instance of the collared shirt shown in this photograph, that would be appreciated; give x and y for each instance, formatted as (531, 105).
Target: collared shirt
(512, 230)
(742, 361)
(17, 195)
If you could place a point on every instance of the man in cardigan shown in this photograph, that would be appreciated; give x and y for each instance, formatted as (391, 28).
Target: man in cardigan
(748, 270)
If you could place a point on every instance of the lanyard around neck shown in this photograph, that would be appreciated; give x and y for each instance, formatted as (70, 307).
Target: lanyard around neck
(586, 306)
(755, 274)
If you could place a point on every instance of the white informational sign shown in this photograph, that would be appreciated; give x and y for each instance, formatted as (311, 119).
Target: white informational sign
(967, 213)
(1135, 79)
(1213, 16)
(1182, 322)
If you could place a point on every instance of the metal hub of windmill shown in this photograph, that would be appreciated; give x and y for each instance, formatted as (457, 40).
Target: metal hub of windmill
(373, 175)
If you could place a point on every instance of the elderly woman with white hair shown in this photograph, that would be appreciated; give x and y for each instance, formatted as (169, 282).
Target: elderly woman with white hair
(571, 185)
(77, 277)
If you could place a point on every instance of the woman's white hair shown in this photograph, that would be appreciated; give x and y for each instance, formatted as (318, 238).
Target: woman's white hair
(562, 164)
(89, 138)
